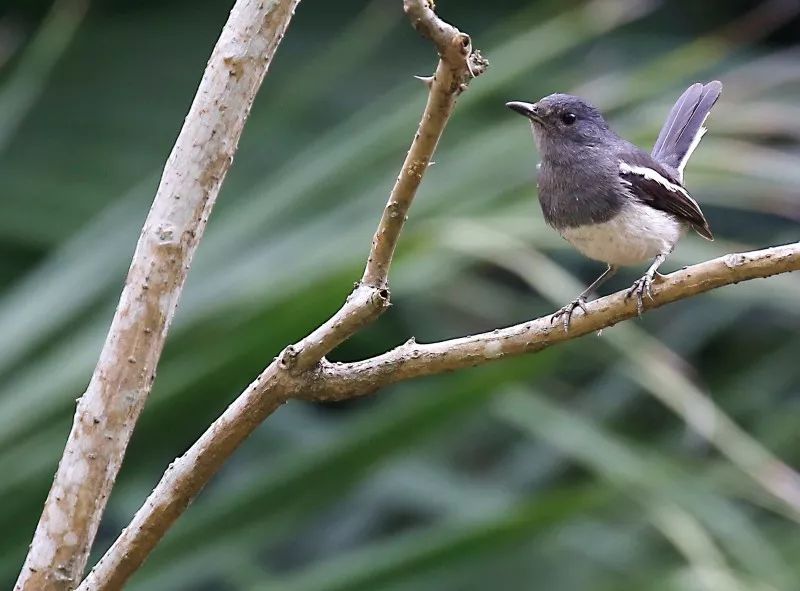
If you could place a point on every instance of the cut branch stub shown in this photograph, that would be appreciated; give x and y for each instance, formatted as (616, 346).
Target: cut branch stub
(454, 46)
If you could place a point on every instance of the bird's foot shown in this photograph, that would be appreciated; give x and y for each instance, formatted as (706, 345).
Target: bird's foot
(641, 287)
(565, 313)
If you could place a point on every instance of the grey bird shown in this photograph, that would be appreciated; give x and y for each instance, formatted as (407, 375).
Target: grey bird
(612, 201)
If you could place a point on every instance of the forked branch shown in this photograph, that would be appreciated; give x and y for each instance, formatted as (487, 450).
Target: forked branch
(301, 370)
(458, 64)
(291, 373)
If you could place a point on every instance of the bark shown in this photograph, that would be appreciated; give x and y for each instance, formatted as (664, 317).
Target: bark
(108, 410)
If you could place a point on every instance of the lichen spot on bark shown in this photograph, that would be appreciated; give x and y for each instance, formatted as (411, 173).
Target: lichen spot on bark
(493, 348)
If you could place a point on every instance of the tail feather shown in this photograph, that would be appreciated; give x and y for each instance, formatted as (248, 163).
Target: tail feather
(683, 128)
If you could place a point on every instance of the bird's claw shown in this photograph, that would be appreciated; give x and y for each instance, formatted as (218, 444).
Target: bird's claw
(565, 313)
(641, 287)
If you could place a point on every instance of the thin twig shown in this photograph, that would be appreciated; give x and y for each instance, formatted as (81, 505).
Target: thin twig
(363, 305)
(293, 370)
(118, 390)
(459, 63)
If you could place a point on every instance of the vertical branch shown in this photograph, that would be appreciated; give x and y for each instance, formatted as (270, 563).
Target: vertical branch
(458, 64)
(118, 390)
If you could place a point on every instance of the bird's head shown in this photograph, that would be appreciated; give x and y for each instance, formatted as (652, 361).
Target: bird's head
(563, 118)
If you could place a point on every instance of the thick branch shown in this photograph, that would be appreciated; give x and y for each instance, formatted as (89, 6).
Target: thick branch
(293, 371)
(121, 382)
(186, 476)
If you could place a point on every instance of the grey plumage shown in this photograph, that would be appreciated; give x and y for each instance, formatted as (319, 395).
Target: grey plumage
(611, 200)
(572, 162)
(683, 127)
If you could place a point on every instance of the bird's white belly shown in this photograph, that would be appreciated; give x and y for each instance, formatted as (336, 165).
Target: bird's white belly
(638, 233)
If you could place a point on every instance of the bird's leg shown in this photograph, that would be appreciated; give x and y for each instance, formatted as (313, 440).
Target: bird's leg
(642, 285)
(566, 312)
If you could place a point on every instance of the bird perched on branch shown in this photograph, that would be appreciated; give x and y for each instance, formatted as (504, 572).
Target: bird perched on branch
(611, 200)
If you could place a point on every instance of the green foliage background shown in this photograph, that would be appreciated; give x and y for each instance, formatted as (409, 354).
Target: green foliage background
(573, 469)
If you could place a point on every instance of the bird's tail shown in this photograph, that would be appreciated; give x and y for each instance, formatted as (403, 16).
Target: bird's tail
(684, 129)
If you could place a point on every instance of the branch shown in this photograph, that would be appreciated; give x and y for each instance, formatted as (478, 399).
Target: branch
(412, 360)
(187, 475)
(292, 373)
(362, 306)
(301, 371)
(118, 390)
(458, 64)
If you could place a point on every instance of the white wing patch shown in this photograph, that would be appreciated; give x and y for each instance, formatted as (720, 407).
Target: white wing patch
(654, 175)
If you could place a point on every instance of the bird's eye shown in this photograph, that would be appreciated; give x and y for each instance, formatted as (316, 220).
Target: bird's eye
(568, 118)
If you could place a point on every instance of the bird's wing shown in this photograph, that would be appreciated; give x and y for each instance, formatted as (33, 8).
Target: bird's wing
(654, 185)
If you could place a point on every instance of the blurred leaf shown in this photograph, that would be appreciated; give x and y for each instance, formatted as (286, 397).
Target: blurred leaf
(420, 487)
(19, 91)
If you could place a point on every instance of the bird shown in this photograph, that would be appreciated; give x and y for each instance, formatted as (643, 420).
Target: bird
(611, 200)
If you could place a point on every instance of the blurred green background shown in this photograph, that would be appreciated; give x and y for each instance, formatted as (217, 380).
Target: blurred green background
(573, 469)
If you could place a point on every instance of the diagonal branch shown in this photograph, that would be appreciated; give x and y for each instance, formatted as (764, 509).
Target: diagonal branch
(741, 449)
(120, 385)
(413, 360)
(288, 375)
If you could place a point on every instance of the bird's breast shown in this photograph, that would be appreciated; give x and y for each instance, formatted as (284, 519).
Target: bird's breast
(578, 193)
(637, 233)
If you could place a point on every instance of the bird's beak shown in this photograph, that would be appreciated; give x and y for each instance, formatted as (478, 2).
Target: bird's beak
(529, 110)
